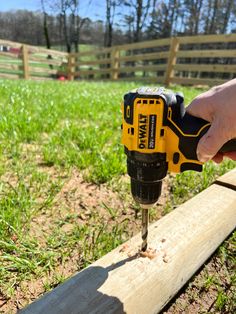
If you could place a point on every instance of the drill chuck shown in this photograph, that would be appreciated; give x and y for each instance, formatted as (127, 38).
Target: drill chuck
(146, 172)
(145, 193)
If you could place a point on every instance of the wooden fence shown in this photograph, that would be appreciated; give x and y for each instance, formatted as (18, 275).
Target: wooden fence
(24, 61)
(189, 60)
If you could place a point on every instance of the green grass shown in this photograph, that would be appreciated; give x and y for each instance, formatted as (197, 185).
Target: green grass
(61, 126)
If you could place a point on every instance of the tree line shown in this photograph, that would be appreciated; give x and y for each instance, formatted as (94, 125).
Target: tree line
(60, 23)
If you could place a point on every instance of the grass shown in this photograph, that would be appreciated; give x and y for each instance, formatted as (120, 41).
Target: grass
(47, 130)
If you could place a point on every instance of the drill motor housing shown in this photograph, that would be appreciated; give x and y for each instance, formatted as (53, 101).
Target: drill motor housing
(159, 136)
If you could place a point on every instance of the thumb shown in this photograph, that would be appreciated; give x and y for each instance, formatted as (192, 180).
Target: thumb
(211, 142)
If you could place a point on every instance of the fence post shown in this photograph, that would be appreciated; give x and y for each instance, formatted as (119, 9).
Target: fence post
(71, 67)
(25, 61)
(115, 63)
(174, 47)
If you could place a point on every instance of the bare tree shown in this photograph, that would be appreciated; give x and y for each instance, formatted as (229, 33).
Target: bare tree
(139, 10)
(193, 11)
(45, 25)
(164, 17)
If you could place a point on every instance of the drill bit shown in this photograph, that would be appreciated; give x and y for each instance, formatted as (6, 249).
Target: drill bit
(145, 220)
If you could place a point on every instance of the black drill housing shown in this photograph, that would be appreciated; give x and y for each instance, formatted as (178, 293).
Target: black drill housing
(146, 172)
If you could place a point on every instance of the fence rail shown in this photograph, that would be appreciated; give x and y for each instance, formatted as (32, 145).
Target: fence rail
(189, 60)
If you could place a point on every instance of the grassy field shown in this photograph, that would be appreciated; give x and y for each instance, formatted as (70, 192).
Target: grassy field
(64, 195)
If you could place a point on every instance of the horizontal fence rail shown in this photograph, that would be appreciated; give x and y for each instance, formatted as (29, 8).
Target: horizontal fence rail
(189, 60)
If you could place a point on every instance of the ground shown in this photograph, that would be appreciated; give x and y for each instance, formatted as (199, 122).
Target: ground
(65, 196)
(83, 204)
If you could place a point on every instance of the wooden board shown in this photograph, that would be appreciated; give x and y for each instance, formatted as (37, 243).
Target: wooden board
(145, 56)
(145, 44)
(218, 68)
(225, 38)
(7, 66)
(45, 60)
(91, 72)
(228, 180)
(93, 62)
(196, 81)
(124, 282)
(10, 75)
(9, 55)
(220, 53)
(43, 71)
(95, 51)
(9, 43)
(148, 68)
(147, 79)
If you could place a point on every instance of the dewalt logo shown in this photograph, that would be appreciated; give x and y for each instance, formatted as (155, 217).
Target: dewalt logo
(142, 131)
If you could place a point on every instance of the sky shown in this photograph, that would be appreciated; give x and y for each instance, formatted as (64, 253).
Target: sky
(7, 5)
(96, 9)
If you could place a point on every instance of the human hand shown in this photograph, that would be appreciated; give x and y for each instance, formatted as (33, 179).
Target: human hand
(218, 106)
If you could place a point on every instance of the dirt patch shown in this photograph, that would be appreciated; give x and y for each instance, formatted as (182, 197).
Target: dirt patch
(82, 203)
(78, 203)
(201, 294)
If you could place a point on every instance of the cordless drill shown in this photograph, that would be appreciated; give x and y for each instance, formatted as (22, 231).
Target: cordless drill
(159, 136)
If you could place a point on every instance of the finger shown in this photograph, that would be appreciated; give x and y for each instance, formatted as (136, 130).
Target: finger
(231, 155)
(201, 107)
(212, 141)
(218, 158)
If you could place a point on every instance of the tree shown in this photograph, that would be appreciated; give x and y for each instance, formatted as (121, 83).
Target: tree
(45, 25)
(193, 9)
(164, 18)
(218, 15)
(110, 13)
(137, 17)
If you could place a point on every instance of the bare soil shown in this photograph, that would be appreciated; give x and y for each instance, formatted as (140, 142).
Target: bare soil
(84, 200)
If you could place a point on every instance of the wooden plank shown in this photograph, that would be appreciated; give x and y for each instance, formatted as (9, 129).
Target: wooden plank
(114, 64)
(34, 49)
(147, 79)
(9, 43)
(148, 68)
(228, 179)
(7, 66)
(174, 47)
(45, 60)
(124, 282)
(145, 44)
(225, 38)
(196, 81)
(47, 71)
(95, 51)
(9, 76)
(25, 61)
(87, 72)
(220, 53)
(219, 68)
(94, 62)
(145, 56)
(71, 68)
(9, 55)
